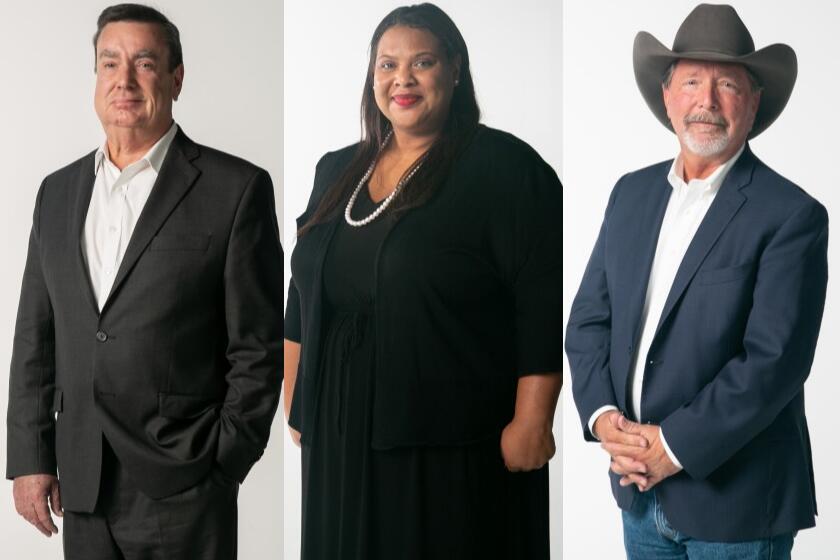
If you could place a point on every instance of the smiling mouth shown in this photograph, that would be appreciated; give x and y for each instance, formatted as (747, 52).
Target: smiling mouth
(406, 100)
(126, 102)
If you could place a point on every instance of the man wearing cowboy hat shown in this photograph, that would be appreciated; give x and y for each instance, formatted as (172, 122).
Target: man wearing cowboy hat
(699, 311)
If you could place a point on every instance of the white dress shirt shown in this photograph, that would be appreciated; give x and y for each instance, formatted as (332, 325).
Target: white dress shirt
(686, 209)
(116, 202)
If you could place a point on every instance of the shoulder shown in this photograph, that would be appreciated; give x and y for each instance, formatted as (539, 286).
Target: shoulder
(217, 162)
(778, 191)
(498, 160)
(331, 164)
(501, 148)
(70, 172)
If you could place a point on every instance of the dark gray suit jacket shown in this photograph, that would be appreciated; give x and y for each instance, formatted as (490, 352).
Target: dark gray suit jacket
(182, 368)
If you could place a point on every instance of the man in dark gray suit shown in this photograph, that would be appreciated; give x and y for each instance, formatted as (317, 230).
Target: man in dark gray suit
(147, 356)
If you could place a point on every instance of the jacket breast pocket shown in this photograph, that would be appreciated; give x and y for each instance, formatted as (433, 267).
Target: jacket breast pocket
(180, 242)
(727, 274)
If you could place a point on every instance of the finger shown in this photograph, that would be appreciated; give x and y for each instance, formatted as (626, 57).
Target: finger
(43, 514)
(617, 436)
(55, 499)
(629, 427)
(615, 449)
(625, 465)
(640, 481)
(32, 517)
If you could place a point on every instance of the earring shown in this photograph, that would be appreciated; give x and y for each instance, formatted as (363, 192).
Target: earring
(457, 81)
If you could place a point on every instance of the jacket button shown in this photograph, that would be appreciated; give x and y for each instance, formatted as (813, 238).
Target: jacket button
(101, 336)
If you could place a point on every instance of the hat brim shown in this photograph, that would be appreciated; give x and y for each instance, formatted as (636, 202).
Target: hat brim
(775, 67)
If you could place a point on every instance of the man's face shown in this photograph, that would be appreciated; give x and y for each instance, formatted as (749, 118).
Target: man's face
(134, 86)
(711, 106)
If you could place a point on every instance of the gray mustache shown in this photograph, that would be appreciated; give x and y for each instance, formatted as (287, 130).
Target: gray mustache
(707, 118)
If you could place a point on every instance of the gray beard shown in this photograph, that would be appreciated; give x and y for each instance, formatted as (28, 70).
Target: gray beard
(706, 148)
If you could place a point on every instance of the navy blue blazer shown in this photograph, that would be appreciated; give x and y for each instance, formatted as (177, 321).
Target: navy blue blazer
(725, 373)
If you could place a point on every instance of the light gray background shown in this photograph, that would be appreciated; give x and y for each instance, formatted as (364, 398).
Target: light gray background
(609, 131)
(232, 100)
(515, 54)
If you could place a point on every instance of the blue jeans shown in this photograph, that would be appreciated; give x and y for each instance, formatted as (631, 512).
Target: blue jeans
(649, 536)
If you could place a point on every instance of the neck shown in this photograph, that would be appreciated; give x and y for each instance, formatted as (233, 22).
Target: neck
(700, 167)
(407, 144)
(128, 145)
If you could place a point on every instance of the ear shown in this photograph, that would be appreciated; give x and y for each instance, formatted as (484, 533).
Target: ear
(178, 78)
(666, 99)
(456, 67)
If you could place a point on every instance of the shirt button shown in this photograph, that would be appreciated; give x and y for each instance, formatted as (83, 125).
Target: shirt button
(101, 336)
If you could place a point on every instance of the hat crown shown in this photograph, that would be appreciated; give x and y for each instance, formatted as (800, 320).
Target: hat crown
(714, 28)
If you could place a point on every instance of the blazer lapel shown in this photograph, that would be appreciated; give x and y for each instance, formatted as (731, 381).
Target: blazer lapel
(84, 188)
(726, 204)
(177, 175)
(640, 259)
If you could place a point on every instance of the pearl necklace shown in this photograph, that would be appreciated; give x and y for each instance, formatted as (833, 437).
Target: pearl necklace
(384, 204)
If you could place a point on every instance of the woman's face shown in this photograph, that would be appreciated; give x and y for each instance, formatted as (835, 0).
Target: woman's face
(413, 80)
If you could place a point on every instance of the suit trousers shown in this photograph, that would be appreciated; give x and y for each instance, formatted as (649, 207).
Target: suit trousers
(199, 523)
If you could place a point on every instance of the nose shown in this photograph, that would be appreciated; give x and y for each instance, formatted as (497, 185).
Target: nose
(709, 97)
(126, 78)
(404, 76)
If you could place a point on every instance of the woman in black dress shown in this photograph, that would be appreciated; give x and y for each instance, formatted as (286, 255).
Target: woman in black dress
(423, 323)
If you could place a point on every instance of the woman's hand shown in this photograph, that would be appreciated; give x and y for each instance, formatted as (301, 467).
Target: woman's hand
(527, 444)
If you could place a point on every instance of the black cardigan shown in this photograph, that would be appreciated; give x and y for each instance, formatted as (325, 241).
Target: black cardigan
(468, 295)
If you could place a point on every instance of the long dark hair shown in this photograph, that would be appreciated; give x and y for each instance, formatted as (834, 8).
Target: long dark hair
(459, 127)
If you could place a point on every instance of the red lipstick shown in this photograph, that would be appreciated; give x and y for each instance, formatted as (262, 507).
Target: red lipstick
(406, 100)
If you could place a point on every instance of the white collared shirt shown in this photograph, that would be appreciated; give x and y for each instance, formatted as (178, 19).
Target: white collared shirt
(687, 206)
(116, 202)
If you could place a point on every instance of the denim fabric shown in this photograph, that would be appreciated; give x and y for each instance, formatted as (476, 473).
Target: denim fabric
(649, 536)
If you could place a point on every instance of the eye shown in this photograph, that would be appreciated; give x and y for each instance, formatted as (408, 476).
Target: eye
(387, 65)
(424, 63)
(109, 65)
(146, 65)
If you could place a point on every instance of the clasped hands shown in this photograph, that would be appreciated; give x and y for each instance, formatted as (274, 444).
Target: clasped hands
(636, 450)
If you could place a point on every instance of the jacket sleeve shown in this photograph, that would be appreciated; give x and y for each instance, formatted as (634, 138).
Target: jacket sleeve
(779, 343)
(30, 442)
(538, 250)
(588, 333)
(291, 329)
(253, 288)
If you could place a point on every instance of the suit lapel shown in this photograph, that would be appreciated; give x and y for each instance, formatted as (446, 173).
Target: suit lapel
(177, 175)
(639, 256)
(84, 188)
(726, 204)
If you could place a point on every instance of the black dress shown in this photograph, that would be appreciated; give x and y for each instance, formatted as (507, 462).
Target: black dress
(406, 503)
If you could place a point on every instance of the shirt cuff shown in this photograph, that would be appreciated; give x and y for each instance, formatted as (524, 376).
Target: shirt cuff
(595, 416)
(668, 450)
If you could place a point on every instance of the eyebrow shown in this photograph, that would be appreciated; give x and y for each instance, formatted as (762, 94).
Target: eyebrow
(417, 55)
(145, 53)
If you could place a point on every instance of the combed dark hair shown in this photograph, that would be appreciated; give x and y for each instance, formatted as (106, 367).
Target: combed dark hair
(458, 129)
(142, 14)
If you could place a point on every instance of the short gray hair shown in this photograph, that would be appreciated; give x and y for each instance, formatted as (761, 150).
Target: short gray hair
(755, 83)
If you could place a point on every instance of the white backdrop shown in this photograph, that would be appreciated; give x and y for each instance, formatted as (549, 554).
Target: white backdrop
(609, 130)
(232, 100)
(515, 54)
